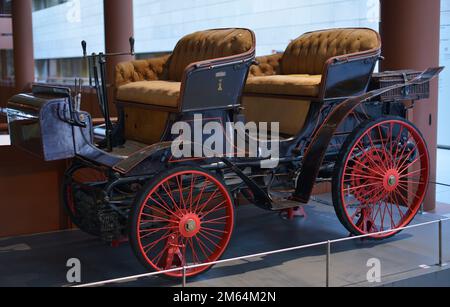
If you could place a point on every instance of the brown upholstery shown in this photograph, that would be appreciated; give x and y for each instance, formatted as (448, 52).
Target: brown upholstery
(157, 81)
(298, 72)
(199, 46)
(206, 45)
(267, 66)
(295, 85)
(290, 113)
(157, 93)
(308, 53)
(144, 126)
(142, 70)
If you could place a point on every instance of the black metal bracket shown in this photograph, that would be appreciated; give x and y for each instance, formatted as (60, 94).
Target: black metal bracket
(262, 199)
(97, 72)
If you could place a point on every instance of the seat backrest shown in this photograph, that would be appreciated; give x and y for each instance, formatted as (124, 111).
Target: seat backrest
(309, 53)
(206, 45)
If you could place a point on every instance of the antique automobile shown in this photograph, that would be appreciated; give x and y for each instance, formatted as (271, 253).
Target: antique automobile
(338, 122)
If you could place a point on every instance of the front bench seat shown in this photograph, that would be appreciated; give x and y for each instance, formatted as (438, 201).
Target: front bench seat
(157, 81)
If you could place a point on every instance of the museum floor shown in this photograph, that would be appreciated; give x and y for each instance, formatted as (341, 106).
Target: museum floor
(40, 260)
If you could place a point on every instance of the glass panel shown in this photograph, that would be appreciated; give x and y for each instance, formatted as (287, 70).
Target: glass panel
(443, 161)
(6, 65)
(5, 7)
(58, 29)
(160, 24)
(444, 83)
(44, 4)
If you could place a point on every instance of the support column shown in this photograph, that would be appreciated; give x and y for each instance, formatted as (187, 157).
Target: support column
(23, 44)
(410, 30)
(118, 29)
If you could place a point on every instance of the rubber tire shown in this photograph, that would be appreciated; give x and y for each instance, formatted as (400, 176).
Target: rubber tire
(338, 172)
(135, 211)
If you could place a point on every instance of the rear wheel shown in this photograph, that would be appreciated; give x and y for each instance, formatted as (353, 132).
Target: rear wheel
(381, 177)
(80, 194)
(185, 216)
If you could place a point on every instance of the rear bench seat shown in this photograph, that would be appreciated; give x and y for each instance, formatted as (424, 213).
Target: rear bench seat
(282, 86)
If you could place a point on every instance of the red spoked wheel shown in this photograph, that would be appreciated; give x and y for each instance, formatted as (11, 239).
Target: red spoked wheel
(381, 177)
(183, 217)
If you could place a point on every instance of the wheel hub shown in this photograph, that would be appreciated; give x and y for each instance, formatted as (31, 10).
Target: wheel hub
(391, 180)
(189, 225)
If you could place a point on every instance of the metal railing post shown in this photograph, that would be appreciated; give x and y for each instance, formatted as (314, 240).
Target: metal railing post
(328, 264)
(184, 277)
(441, 262)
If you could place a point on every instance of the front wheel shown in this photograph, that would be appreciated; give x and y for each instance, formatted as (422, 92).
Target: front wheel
(183, 217)
(381, 177)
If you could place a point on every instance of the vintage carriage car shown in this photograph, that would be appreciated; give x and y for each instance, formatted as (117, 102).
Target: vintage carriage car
(338, 123)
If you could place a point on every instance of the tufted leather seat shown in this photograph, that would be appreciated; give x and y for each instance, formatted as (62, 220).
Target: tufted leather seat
(299, 69)
(169, 70)
(151, 89)
(298, 75)
(206, 45)
(309, 53)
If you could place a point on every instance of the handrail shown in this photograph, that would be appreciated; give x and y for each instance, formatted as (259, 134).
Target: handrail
(325, 243)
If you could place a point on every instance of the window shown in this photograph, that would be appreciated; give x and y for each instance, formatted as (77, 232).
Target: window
(5, 7)
(43, 4)
(443, 161)
(159, 24)
(6, 65)
(444, 82)
(58, 31)
(60, 71)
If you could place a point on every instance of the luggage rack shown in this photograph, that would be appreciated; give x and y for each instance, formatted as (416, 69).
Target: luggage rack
(390, 78)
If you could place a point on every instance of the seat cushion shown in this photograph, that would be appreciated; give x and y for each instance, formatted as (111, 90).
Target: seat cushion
(158, 93)
(294, 85)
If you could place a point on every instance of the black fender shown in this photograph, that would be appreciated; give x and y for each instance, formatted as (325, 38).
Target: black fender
(316, 151)
(133, 163)
(155, 158)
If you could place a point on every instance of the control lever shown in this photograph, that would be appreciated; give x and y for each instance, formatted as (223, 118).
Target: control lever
(132, 41)
(77, 95)
(84, 46)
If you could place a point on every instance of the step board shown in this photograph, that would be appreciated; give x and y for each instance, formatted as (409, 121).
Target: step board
(284, 204)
